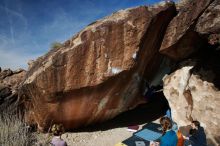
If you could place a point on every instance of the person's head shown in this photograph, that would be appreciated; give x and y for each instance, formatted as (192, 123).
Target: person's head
(195, 124)
(166, 123)
(162, 120)
(57, 129)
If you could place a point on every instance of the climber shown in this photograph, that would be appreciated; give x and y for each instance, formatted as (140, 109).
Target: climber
(57, 130)
(150, 92)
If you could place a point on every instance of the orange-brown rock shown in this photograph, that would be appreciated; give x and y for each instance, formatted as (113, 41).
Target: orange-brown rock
(181, 39)
(98, 73)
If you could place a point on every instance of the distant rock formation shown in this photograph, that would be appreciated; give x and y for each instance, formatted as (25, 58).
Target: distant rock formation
(9, 84)
(98, 73)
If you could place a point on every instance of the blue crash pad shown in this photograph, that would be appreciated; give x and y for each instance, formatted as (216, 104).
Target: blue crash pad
(148, 135)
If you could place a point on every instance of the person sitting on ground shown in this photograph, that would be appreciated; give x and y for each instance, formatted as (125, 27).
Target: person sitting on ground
(162, 121)
(57, 130)
(197, 135)
(169, 137)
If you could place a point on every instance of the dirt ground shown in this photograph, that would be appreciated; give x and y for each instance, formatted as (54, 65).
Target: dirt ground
(114, 131)
(97, 138)
(108, 137)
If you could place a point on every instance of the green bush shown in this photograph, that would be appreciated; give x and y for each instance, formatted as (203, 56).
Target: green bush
(56, 45)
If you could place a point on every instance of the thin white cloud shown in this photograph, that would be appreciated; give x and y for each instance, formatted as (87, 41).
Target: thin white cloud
(62, 27)
(14, 16)
(15, 13)
(15, 60)
(18, 54)
(15, 53)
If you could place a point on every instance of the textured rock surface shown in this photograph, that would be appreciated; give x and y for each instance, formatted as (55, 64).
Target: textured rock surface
(181, 39)
(5, 73)
(193, 96)
(209, 23)
(98, 73)
(9, 83)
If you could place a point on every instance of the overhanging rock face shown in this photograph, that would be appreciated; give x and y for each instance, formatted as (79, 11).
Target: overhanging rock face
(181, 38)
(98, 73)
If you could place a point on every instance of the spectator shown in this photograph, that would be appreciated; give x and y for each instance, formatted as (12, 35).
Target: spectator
(57, 130)
(197, 135)
(169, 137)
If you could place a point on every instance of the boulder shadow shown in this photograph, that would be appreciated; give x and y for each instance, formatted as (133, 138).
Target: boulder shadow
(144, 113)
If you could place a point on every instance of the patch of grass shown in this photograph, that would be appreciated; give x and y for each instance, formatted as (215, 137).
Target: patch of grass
(13, 130)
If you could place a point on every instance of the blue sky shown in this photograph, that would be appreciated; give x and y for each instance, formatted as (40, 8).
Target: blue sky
(28, 27)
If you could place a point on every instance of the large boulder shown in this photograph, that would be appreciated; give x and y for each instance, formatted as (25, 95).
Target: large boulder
(98, 73)
(193, 93)
(181, 40)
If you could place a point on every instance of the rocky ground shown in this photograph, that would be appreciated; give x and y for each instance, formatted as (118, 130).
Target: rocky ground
(97, 138)
(108, 137)
(92, 136)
